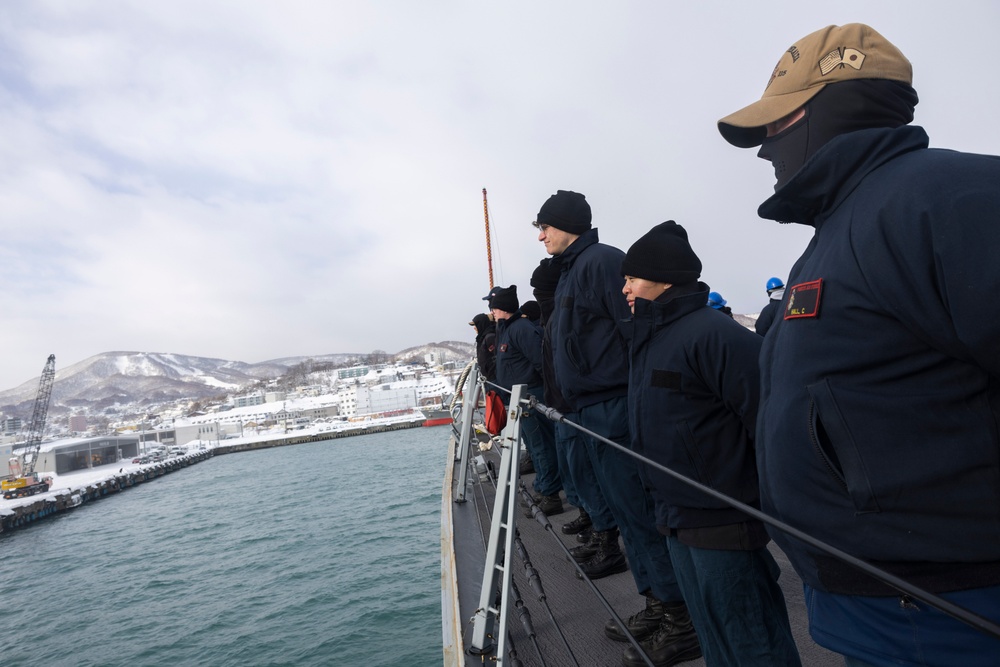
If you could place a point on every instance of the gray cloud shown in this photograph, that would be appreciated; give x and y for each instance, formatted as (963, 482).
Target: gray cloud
(248, 181)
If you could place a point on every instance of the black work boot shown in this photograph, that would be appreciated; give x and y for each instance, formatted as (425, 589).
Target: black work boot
(578, 524)
(548, 504)
(585, 551)
(640, 625)
(673, 642)
(609, 558)
(584, 535)
(551, 504)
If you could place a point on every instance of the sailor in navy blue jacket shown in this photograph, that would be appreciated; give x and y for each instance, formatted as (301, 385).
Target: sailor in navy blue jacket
(693, 392)
(881, 403)
(692, 402)
(588, 350)
(519, 352)
(518, 343)
(879, 425)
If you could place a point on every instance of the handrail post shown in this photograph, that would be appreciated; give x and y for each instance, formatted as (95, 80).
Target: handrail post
(471, 393)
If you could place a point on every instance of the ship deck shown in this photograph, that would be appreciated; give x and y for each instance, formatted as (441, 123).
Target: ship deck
(571, 609)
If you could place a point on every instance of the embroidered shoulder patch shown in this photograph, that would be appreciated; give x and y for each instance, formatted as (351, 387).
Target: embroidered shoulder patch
(803, 300)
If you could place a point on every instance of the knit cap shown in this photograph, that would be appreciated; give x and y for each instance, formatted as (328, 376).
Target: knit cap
(531, 310)
(505, 299)
(565, 210)
(545, 277)
(663, 255)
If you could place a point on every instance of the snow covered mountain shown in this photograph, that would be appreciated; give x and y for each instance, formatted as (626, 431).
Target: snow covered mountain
(141, 378)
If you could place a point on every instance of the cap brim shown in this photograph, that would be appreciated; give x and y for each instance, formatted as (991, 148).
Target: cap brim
(746, 127)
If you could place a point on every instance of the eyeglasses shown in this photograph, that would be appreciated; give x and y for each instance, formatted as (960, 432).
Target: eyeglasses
(541, 227)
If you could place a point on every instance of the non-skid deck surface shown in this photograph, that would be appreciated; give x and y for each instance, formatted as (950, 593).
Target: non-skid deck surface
(578, 613)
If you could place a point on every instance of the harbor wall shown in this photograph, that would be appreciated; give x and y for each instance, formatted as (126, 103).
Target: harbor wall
(52, 503)
(314, 437)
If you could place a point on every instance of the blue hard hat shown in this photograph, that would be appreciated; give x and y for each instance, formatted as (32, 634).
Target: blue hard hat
(715, 300)
(774, 283)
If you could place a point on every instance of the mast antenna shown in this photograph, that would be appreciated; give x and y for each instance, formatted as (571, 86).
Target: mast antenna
(489, 252)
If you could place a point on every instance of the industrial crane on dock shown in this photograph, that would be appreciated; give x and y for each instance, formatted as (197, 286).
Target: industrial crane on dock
(23, 480)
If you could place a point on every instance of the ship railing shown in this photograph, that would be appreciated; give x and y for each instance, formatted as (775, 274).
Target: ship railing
(503, 540)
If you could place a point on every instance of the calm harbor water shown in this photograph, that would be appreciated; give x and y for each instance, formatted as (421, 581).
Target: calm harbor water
(317, 554)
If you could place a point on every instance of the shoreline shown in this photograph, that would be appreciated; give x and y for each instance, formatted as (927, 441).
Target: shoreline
(77, 488)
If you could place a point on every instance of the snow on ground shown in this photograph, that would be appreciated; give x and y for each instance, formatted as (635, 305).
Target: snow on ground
(76, 479)
(79, 479)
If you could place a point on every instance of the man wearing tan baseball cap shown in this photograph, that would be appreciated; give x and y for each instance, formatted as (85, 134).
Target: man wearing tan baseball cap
(879, 420)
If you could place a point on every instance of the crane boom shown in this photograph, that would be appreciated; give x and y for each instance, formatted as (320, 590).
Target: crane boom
(23, 480)
(36, 429)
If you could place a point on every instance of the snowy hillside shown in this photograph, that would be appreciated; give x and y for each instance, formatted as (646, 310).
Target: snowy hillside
(147, 378)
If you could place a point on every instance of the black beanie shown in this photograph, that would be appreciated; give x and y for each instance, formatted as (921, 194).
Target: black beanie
(565, 210)
(531, 310)
(663, 255)
(505, 299)
(546, 276)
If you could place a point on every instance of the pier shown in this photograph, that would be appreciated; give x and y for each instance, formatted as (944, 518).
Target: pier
(63, 500)
(315, 436)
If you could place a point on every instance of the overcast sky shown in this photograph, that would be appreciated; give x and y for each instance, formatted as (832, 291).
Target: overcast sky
(252, 180)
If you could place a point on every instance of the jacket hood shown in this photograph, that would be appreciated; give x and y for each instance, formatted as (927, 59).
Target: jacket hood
(829, 176)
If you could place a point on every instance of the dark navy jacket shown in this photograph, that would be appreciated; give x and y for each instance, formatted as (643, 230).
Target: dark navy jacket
(486, 350)
(879, 427)
(519, 352)
(693, 393)
(588, 352)
(767, 315)
(553, 397)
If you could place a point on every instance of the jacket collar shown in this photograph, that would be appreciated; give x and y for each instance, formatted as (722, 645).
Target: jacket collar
(651, 316)
(575, 249)
(832, 174)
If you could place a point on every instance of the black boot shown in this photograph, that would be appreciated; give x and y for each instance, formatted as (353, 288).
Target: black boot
(578, 524)
(673, 642)
(641, 624)
(584, 535)
(548, 504)
(609, 558)
(585, 551)
(525, 466)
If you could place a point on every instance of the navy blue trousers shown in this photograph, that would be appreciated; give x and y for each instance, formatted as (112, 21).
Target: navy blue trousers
(538, 434)
(629, 501)
(736, 605)
(885, 632)
(578, 478)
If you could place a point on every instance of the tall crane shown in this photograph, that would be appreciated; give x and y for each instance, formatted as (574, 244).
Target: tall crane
(23, 480)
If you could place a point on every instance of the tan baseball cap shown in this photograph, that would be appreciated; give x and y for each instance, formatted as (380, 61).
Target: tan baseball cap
(830, 55)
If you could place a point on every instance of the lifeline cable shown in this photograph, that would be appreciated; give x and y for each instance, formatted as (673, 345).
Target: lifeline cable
(966, 616)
